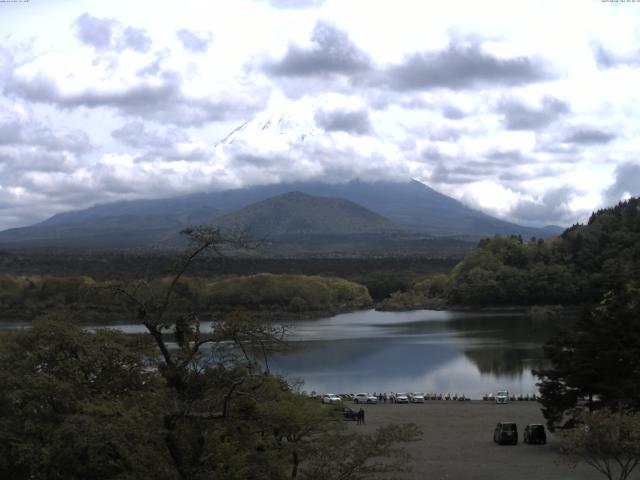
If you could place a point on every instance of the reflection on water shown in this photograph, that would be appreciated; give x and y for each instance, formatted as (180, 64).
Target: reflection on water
(432, 351)
(439, 351)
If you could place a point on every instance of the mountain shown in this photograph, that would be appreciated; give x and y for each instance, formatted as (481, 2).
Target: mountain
(271, 128)
(412, 206)
(299, 214)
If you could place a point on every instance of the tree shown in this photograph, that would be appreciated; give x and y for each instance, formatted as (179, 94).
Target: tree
(607, 441)
(595, 364)
(360, 456)
(225, 415)
(75, 405)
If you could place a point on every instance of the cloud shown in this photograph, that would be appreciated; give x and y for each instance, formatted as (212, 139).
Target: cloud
(355, 121)
(463, 67)
(520, 116)
(19, 128)
(442, 134)
(136, 39)
(552, 207)
(295, 4)
(333, 52)
(606, 58)
(194, 42)
(589, 136)
(94, 31)
(452, 112)
(135, 134)
(168, 144)
(626, 183)
(109, 34)
(30, 152)
(160, 98)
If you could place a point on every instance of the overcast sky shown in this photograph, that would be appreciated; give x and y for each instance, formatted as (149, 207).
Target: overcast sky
(528, 110)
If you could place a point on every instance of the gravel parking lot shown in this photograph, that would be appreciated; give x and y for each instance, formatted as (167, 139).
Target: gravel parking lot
(458, 442)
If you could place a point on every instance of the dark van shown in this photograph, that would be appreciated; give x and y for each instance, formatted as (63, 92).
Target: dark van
(506, 433)
(534, 433)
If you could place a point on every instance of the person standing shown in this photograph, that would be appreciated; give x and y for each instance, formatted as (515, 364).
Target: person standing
(361, 416)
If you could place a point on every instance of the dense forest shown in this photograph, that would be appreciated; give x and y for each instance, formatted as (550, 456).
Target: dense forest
(84, 299)
(578, 267)
(84, 286)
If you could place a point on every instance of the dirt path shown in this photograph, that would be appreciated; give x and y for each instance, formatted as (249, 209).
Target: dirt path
(458, 442)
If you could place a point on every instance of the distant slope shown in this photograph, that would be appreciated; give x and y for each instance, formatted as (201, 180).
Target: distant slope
(143, 223)
(297, 213)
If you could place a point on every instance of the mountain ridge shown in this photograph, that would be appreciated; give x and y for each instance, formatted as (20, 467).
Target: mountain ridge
(412, 206)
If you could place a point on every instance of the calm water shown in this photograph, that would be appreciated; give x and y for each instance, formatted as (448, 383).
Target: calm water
(427, 350)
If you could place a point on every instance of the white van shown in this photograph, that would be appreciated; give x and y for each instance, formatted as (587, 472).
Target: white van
(502, 396)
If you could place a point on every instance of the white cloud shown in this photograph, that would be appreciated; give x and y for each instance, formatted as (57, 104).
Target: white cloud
(526, 110)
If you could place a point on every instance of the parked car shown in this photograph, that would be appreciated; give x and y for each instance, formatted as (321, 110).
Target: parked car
(534, 433)
(331, 398)
(502, 396)
(416, 397)
(349, 414)
(402, 398)
(365, 398)
(506, 432)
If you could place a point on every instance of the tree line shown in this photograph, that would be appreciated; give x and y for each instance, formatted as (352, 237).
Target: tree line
(26, 297)
(578, 267)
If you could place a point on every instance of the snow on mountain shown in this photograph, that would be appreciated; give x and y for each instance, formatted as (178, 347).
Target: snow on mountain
(273, 129)
(286, 144)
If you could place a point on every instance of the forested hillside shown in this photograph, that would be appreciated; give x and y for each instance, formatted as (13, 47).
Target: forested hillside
(579, 266)
(24, 298)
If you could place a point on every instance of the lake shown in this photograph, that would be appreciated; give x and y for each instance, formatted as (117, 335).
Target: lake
(468, 352)
(427, 350)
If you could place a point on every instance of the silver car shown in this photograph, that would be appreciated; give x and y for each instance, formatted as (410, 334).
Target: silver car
(402, 398)
(416, 397)
(365, 398)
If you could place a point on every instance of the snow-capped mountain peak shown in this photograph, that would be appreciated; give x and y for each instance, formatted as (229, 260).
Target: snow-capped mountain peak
(274, 127)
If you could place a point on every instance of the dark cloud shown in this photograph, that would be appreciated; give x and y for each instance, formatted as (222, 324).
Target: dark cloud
(195, 42)
(290, 4)
(453, 169)
(135, 134)
(15, 162)
(356, 122)
(259, 161)
(166, 144)
(551, 208)
(432, 153)
(458, 174)
(519, 116)
(94, 31)
(332, 53)
(509, 156)
(160, 98)
(6, 66)
(589, 136)
(452, 112)
(606, 59)
(155, 67)
(109, 34)
(463, 67)
(442, 134)
(625, 184)
(34, 135)
(136, 39)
